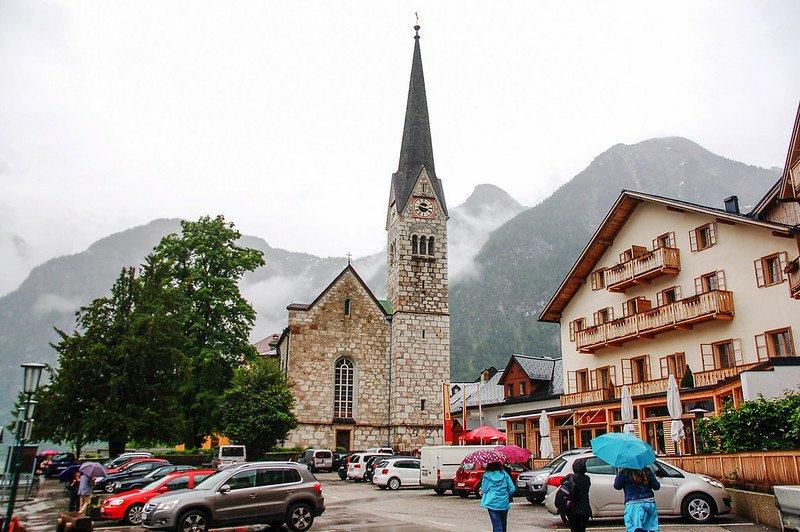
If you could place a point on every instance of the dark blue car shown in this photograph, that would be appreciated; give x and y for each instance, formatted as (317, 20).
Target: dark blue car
(59, 463)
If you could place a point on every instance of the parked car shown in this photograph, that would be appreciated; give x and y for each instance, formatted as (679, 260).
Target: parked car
(469, 476)
(337, 460)
(533, 484)
(357, 465)
(134, 469)
(344, 465)
(393, 473)
(380, 450)
(698, 498)
(439, 464)
(130, 461)
(253, 493)
(128, 506)
(317, 459)
(226, 455)
(58, 464)
(118, 461)
(128, 484)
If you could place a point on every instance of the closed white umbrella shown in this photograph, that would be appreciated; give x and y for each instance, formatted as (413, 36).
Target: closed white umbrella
(675, 410)
(545, 445)
(627, 411)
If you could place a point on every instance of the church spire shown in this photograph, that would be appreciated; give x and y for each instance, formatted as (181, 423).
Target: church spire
(416, 150)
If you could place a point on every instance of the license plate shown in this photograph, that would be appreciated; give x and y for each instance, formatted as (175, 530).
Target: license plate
(521, 484)
(460, 484)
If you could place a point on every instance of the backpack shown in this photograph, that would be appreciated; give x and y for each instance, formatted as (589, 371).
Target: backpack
(564, 495)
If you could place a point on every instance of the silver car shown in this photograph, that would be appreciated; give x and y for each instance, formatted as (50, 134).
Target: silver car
(698, 498)
(533, 484)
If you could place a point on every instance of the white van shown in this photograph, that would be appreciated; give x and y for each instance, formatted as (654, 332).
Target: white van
(225, 455)
(439, 463)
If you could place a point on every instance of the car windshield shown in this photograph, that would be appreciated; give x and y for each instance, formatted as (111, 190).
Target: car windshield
(467, 467)
(62, 456)
(208, 482)
(233, 451)
(158, 472)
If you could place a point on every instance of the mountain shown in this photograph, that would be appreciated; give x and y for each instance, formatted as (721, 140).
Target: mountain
(54, 290)
(494, 313)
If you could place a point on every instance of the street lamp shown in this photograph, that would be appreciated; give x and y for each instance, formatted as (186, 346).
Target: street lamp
(31, 377)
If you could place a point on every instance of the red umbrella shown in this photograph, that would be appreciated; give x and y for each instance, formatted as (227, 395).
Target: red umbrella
(48, 453)
(484, 456)
(514, 453)
(484, 434)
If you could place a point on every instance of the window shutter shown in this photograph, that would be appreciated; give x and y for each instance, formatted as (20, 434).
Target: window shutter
(712, 233)
(610, 313)
(721, 280)
(627, 373)
(782, 260)
(672, 239)
(594, 281)
(759, 266)
(572, 331)
(664, 367)
(626, 308)
(707, 352)
(655, 244)
(698, 285)
(612, 375)
(596, 317)
(572, 382)
(761, 347)
(693, 239)
(593, 379)
(678, 293)
(659, 299)
(647, 373)
(737, 351)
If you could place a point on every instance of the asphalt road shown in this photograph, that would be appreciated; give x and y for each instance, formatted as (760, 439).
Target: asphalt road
(365, 508)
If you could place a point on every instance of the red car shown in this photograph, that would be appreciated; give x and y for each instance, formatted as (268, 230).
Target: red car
(469, 476)
(130, 463)
(129, 505)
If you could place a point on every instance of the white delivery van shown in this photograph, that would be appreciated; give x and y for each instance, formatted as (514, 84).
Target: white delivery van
(226, 455)
(439, 464)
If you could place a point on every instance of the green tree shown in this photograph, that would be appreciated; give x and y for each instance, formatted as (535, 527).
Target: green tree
(205, 265)
(256, 411)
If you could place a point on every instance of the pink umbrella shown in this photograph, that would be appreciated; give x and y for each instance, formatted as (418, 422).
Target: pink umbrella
(48, 453)
(484, 434)
(514, 453)
(484, 456)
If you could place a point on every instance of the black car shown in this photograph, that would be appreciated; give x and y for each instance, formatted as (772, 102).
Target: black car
(342, 469)
(59, 463)
(136, 470)
(132, 483)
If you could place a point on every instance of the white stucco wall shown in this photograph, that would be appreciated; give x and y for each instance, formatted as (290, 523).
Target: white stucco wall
(770, 384)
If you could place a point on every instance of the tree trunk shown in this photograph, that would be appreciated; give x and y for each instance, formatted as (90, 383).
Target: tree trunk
(116, 446)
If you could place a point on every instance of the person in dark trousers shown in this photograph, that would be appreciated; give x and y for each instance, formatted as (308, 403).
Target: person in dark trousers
(641, 514)
(581, 510)
(72, 491)
(498, 489)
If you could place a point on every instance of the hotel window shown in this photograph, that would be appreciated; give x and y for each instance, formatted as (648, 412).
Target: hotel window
(635, 306)
(674, 364)
(576, 326)
(598, 279)
(703, 237)
(777, 343)
(344, 383)
(710, 282)
(636, 369)
(668, 295)
(603, 378)
(604, 315)
(582, 380)
(721, 355)
(667, 240)
(769, 269)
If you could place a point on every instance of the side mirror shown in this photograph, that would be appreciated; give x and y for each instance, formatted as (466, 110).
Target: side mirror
(225, 488)
(163, 489)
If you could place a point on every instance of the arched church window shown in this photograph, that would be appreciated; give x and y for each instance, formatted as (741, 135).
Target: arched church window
(430, 245)
(414, 245)
(423, 245)
(344, 382)
(347, 305)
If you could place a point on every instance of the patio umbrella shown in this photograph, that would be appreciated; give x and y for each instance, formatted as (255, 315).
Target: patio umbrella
(514, 453)
(545, 445)
(92, 469)
(484, 456)
(68, 473)
(484, 434)
(623, 450)
(675, 410)
(627, 411)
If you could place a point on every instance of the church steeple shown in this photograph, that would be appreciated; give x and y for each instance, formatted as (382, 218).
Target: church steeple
(416, 150)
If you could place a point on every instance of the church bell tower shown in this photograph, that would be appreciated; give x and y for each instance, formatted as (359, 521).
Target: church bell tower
(416, 224)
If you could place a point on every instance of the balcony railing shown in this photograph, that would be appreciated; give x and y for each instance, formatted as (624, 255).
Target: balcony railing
(588, 396)
(713, 376)
(639, 270)
(794, 283)
(717, 304)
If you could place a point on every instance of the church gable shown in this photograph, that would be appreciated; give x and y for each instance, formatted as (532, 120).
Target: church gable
(348, 286)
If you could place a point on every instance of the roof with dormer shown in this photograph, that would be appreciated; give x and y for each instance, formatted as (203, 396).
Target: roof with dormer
(416, 150)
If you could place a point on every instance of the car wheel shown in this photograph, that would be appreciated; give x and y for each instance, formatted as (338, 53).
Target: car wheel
(300, 517)
(535, 499)
(479, 491)
(108, 487)
(463, 494)
(439, 491)
(698, 508)
(133, 515)
(394, 483)
(193, 521)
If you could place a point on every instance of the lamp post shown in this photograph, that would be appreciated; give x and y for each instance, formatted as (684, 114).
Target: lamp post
(31, 376)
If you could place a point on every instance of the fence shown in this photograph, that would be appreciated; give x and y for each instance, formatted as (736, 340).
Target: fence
(753, 470)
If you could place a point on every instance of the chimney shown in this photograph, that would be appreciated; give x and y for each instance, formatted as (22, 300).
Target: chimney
(732, 205)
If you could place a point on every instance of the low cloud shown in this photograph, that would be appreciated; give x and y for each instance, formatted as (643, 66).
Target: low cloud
(55, 304)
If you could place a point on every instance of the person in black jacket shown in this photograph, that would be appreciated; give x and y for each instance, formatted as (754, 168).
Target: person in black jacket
(72, 491)
(581, 510)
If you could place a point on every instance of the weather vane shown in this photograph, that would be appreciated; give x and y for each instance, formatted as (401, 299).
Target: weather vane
(416, 26)
(348, 258)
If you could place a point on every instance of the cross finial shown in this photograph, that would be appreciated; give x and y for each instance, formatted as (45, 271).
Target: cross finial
(416, 26)
(349, 256)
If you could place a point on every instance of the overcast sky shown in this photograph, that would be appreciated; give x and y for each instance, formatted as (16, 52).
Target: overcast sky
(286, 117)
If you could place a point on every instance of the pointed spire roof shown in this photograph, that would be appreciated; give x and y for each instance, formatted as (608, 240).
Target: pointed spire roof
(416, 150)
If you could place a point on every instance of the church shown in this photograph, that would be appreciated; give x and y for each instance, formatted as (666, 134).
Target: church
(369, 373)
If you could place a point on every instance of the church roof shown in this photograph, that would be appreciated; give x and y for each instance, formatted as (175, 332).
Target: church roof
(348, 268)
(416, 150)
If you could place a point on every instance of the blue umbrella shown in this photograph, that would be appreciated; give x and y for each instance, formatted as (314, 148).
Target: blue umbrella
(621, 449)
(68, 473)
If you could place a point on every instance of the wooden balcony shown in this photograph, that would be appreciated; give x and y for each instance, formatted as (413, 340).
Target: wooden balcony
(714, 305)
(794, 283)
(707, 378)
(640, 270)
(588, 396)
(644, 387)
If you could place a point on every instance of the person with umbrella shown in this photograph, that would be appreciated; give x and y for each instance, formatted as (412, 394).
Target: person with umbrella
(498, 489)
(85, 493)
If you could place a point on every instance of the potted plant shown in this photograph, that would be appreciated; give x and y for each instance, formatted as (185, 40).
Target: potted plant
(792, 266)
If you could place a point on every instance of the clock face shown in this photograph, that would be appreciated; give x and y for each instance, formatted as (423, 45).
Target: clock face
(423, 208)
